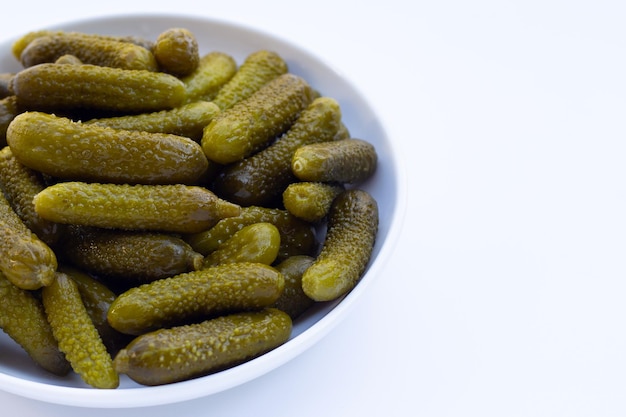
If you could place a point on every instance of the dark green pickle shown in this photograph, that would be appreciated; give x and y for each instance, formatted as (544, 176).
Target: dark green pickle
(176, 51)
(310, 201)
(344, 161)
(258, 242)
(185, 352)
(261, 178)
(293, 300)
(8, 111)
(129, 256)
(5, 80)
(214, 70)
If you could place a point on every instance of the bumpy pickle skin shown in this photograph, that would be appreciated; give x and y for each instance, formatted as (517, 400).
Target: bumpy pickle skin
(347, 247)
(8, 111)
(252, 123)
(259, 68)
(24, 258)
(77, 335)
(310, 201)
(196, 295)
(174, 208)
(22, 318)
(345, 161)
(176, 51)
(20, 185)
(293, 300)
(89, 50)
(214, 70)
(65, 149)
(258, 242)
(261, 178)
(21, 43)
(188, 120)
(97, 299)
(297, 237)
(185, 352)
(132, 257)
(53, 87)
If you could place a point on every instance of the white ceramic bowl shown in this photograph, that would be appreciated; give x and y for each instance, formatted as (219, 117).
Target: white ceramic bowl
(19, 375)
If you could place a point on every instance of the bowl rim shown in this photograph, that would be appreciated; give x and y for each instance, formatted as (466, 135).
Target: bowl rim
(224, 380)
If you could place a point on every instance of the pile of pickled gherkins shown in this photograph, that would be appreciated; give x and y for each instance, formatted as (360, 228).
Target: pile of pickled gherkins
(166, 214)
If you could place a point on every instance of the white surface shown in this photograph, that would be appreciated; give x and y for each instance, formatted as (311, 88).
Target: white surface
(505, 297)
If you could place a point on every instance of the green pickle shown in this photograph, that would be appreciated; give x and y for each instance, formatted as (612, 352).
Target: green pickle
(22, 318)
(293, 300)
(259, 68)
(97, 299)
(176, 51)
(62, 148)
(310, 201)
(297, 237)
(174, 208)
(26, 261)
(345, 161)
(133, 257)
(258, 242)
(22, 43)
(196, 296)
(53, 87)
(214, 70)
(20, 185)
(252, 123)
(77, 335)
(68, 59)
(104, 52)
(185, 352)
(347, 247)
(188, 120)
(261, 178)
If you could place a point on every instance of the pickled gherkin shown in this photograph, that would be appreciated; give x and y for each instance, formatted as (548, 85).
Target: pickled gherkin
(25, 260)
(53, 87)
(258, 242)
(171, 208)
(97, 299)
(310, 201)
(134, 257)
(77, 335)
(5, 80)
(293, 300)
(214, 70)
(252, 123)
(22, 318)
(297, 237)
(347, 247)
(20, 185)
(345, 161)
(22, 43)
(188, 120)
(72, 150)
(185, 352)
(196, 296)
(176, 51)
(259, 68)
(261, 178)
(89, 50)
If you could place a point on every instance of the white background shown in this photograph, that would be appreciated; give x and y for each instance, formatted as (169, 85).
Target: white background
(505, 296)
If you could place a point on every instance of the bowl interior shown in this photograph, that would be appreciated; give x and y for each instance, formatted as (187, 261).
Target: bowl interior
(20, 376)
